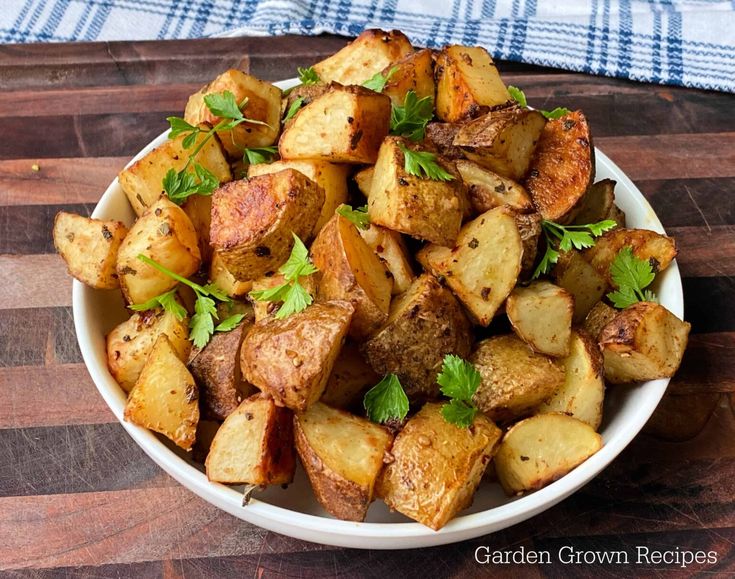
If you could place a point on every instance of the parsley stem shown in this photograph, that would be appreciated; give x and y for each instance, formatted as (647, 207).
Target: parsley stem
(195, 286)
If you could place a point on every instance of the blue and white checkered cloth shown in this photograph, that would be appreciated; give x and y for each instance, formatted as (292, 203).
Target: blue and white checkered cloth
(679, 42)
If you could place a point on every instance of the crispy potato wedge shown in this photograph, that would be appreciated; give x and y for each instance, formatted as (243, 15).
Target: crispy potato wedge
(368, 54)
(529, 228)
(542, 449)
(165, 234)
(346, 124)
(440, 136)
(419, 207)
(364, 180)
(223, 279)
(599, 204)
(503, 140)
(575, 274)
(563, 167)
(583, 391)
(598, 317)
(467, 83)
(645, 341)
(291, 359)
(130, 343)
(265, 309)
(164, 399)
(351, 377)
(436, 466)
(391, 249)
(352, 271)
(415, 72)
(484, 265)
(425, 323)
(515, 379)
(343, 456)
(254, 445)
(487, 190)
(541, 315)
(253, 221)
(89, 248)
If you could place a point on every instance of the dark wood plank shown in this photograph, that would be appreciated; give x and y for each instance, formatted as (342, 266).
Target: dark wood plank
(27, 229)
(145, 570)
(41, 280)
(708, 303)
(38, 336)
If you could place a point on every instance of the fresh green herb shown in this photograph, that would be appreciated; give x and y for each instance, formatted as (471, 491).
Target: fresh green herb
(459, 380)
(557, 113)
(377, 82)
(258, 155)
(423, 164)
(230, 323)
(632, 275)
(308, 75)
(293, 295)
(293, 109)
(167, 301)
(205, 311)
(182, 185)
(386, 400)
(410, 119)
(519, 96)
(358, 216)
(565, 237)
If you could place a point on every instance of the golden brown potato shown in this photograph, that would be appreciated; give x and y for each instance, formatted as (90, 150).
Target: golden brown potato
(344, 125)
(364, 180)
(599, 204)
(291, 359)
(426, 323)
(391, 249)
(417, 206)
(563, 167)
(330, 177)
(467, 83)
(583, 391)
(343, 456)
(254, 445)
(253, 221)
(142, 181)
(351, 377)
(598, 317)
(483, 267)
(415, 72)
(365, 56)
(164, 399)
(502, 140)
(515, 379)
(263, 104)
(89, 248)
(265, 309)
(436, 466)
(542, 449)
(541, 315)
(487, 190)
(645, 341)
(529, 228)
(223, 279)
(165, 234)
(440, 136)
(352, 271)
(199, 210)
(575, 274)
(130, 343)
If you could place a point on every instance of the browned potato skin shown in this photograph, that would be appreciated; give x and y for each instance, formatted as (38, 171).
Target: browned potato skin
(598, 317)
(352, 271)
(437, 466)
(351, 377)
(89, 248)
(487, 189)
(306, 92)
(599, 204)
(440, 136)
(413, 72)
(253, 221)
(563, 167)
(529, 228)
(425, 324)
(291, 359)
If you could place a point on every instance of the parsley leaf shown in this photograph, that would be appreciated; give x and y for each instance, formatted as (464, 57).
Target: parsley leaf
(632, 275)
(308, 75)
(386, 400)
(223, 105)
(459, 380)
(410, 119)
(293, 109)
(377, 82)
(520, 97)
(557, 113)
(230, 323)
(258, 155)
(416, 162)
(459, 413)
(179, 126)
(167, 301)
(295, 300)
(358, 216)
(179, 186)
(298, 263)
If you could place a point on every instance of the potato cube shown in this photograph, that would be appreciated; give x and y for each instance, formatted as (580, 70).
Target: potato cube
(415, 72)
(487, 190)
(598, 317)
(598, 204)
(441, 137)
(575, 274)
(223, 279)
(364, 180)
(199, 210)
(351, 377)
(391, 249)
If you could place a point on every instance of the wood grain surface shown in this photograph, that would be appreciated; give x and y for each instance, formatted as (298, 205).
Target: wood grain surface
(79, 499)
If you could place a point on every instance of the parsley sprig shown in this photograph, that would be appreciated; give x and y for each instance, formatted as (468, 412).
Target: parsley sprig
(410, 119)
(293, 109)
(386, 400)
(308, 75)
(520, 97)
(459, 381)
(358, 216)
(293, 295)
(423, 164)
(378, 81)
(565, 237)
(632, 275)
(258, 155)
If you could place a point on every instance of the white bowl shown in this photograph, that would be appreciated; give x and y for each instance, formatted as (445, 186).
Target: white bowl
(294, 511)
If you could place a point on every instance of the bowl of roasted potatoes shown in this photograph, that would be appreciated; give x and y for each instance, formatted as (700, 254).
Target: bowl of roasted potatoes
(385, 304)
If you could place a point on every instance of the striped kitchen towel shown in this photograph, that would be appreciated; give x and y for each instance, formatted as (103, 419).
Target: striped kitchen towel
(680, 42)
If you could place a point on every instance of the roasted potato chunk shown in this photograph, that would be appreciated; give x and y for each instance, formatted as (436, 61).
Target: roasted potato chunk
(436, 466)
(343, 456)
(263, 104)
(575, 274)
(583, 391)
(392, 251)
(515, 379)
(254, 445)
(164, 399)
(291, 359)
(440, 136)
(352, 271)
(425, 323)
(542, 449)
(166, 235)
(563, 167)
(254, 221)
(541, 315)
(346, 124)
(483, 267)
(529, 228)
(645, 341)
(223, 279)
(89, 248)
(467, 83)
(415, 72)
(364, 180)
(598, 317)
(487, 190)
(368, 54)
(599, 204)
(351, 377)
